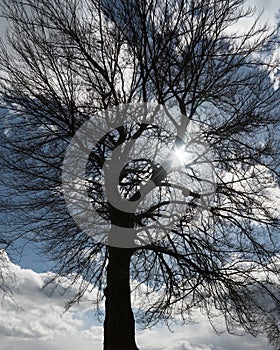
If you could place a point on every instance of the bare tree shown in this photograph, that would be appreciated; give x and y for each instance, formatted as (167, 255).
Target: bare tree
(68, 63)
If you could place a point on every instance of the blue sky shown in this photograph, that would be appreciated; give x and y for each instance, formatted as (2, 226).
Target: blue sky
(35, 320)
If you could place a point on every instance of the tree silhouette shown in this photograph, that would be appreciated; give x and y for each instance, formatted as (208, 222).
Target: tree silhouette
(183, 177)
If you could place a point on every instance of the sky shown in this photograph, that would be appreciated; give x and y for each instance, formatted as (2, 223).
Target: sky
(34, 317)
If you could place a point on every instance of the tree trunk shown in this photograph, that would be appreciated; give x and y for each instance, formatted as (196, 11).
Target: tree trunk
(119, 324)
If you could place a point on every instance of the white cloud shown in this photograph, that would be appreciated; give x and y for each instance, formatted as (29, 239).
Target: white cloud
(35, 316)
(38, 323)
(269, 7)
(60, 343)
(268, 11)
(198, 336)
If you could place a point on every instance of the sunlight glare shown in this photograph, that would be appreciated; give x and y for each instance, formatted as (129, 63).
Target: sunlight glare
(180, 156)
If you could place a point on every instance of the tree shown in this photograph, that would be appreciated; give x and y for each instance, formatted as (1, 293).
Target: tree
(195, 241)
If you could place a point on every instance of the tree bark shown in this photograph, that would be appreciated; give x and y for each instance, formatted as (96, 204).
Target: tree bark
(119, 324)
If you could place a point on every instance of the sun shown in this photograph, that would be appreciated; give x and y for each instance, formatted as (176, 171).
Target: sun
(180, 156)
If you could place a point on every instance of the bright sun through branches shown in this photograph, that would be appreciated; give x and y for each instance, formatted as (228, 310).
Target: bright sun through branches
(180, 156)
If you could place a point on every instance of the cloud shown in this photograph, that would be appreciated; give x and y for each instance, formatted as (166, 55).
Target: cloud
(36, 314)
(269, 7)
(37, 322)
(61, 343)
(198, 336)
